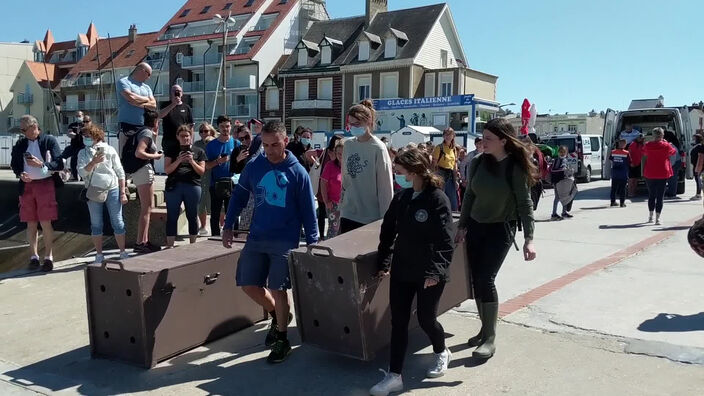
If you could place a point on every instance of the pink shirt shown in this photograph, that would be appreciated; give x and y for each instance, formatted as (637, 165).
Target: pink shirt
(332, 173)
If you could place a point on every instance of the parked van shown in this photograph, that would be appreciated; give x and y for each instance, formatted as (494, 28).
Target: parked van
(586, 153)
(675, 119)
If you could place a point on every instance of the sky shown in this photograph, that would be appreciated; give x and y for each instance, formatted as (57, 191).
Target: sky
(563, 55)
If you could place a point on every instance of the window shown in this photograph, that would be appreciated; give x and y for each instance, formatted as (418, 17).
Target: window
(363, 87)
(179, 81)
(179, 58)
(572, 128)
(443, 58)
(185, 12)
(389, 85)
(595, 143)
(265, 21)
(430, 85)
(363, 50)
(205, 9)
(302, 57)
(326, 56)
(390, 48)
(249, 3)
(325, 88)
(272, 98)
(246, 45)
(227, 6)
(445, 84)
(301, 90)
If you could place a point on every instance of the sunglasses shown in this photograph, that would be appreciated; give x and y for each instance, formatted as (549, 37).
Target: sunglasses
(246, 138)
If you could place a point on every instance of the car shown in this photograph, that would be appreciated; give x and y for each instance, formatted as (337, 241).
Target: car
(585, 153)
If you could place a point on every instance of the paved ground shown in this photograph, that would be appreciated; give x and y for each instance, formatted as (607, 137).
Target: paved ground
(612, 306)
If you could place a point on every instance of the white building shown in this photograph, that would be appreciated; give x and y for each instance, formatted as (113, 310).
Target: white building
(546, 124)
(12, 56)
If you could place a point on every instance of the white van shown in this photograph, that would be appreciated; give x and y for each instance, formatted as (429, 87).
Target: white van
(645, 120)
(585, 153)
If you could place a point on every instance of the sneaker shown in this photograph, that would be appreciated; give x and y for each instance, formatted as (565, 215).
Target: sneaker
(271, 334)
(623, 205)
(99, 258)
(657, 221)
(650, 219)
(141, 248)
(567, 215)
(556, 217)
(48, 265)
(391, 383)
(124, 255)
(442, 360)
(613, 204)
(152, 248)
(33, 264)
(203, 232)
(696, 197)
(279, 351)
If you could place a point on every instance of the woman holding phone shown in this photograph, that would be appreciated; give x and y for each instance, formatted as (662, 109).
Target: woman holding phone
(100, 167)
(184, 164)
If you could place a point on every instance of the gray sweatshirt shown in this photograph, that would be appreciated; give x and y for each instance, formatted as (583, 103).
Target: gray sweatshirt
(367, 181)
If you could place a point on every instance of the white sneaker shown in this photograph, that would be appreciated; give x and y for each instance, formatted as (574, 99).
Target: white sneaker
(697, 197)
(442, 360)
(657, 221)
(203, 232)
(650, 219)
(99, 258)
(124, 255)
(391, 383)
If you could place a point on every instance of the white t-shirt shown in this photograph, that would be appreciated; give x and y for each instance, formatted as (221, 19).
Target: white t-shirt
(35, 173)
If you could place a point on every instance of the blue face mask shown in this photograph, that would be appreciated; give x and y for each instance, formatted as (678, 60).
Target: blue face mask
(357, 131)
(403, 182)
(88, 142)
(305, 141)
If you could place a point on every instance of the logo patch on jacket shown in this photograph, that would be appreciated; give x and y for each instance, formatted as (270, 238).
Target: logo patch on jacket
(421, 216)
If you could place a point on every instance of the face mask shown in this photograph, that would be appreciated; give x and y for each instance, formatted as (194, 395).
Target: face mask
(88, 142)
(357, 131)
(402, 181)
(79, 119)
(305, 141)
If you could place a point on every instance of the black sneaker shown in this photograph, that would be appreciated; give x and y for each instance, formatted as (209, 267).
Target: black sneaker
(279, 352)
(613, 204)
(555, 217)
(48, 265)
(623, 205)
(567, 215)
(152, 248)
(141, 248)
(33, 264)
(271, 334)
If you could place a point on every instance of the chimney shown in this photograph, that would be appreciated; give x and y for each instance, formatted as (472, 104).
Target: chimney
(374, 7)
(132, 33)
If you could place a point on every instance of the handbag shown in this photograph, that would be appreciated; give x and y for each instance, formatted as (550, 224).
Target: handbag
(223, 187)
(315, 172)
(92, 193)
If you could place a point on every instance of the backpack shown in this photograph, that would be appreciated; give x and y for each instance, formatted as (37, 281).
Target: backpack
(130, 162)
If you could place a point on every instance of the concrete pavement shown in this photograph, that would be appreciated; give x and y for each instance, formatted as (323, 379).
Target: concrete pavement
(594, 332)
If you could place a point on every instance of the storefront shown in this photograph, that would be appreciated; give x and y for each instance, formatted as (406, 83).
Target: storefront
(461, 112)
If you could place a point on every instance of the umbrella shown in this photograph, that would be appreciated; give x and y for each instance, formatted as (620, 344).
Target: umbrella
(525, 116)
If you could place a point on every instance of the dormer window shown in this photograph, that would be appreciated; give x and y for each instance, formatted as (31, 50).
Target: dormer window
(305, 48)
(327, 45)
(367, 42)
(390, 48)
(326, 55)
(302, 57)
(363, 50)
(394, 40)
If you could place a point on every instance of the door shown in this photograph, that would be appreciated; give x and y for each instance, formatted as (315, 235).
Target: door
(597, 157)
(687, 138)
(608, 142)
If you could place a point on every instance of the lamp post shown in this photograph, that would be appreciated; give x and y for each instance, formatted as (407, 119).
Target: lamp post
(507, 104)
(210, 46)
(224, 22)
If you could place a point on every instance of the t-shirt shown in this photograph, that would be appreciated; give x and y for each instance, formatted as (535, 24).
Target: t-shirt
(629, 136)
(620, 164)
(185, 172)
(126, 112)
(179, 115)
(33, 172)
(694, 154)
(216, 149)
(332, 173)
(299, 150)
(446, 160)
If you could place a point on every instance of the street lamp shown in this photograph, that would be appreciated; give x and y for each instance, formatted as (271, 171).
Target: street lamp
(218, 18)
(507, 104)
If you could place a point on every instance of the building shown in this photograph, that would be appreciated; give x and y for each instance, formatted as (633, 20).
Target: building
(545, 124)
(12, 56)
(189, 51)
(33, 93)
(384, 55)
(90, 87)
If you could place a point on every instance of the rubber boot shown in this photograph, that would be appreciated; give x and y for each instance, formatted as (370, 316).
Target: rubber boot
(490, 313)
(477, 339)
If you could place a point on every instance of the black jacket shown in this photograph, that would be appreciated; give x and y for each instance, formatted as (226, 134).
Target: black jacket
(46, 143)
(421, 232)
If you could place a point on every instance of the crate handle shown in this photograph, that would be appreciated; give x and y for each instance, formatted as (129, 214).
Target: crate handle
(118, 263)
(326, 249)
(211, 278)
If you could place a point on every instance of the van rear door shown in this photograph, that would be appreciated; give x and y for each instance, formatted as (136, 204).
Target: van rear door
(609, 137)
(687, 139)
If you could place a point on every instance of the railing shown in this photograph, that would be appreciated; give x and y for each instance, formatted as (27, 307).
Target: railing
(156, 63)
(90, 105)
(312, 104)
(25, 98)
(199, 86)
(86, 82)
(197, 60)
(242, 110)
(70, 106)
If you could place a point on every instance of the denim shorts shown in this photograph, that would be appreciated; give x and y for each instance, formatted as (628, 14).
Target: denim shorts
(264, 264)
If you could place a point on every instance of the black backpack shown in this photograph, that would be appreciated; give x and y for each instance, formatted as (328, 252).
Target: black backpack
(130, 162)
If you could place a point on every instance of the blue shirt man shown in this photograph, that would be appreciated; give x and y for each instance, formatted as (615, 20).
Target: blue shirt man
(135, 97)
(219, 152)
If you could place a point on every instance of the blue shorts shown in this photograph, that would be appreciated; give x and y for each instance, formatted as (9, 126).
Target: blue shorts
(264, 264)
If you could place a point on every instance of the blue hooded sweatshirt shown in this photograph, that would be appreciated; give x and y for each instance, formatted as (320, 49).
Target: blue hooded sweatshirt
(283, 201)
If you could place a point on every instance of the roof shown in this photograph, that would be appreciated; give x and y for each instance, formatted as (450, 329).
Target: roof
(425, 130)
(195, 8)
(44, 74)
(411, 26)
(127, 54)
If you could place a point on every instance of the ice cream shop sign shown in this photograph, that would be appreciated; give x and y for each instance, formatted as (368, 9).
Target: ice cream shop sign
(417, 103)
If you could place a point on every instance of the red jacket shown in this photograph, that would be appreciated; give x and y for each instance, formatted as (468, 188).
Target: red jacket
(636, 152)
(657, 161)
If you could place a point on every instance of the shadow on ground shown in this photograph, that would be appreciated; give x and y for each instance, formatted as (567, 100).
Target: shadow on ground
(665, 322)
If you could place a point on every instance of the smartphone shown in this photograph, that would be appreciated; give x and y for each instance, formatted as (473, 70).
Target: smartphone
(185, 147)
(178, 94)
(28, 155)
(223, 155)
(100, 150)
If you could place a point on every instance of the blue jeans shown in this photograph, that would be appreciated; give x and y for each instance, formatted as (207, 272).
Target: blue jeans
(114, 209)
(448, 176)
(189, 195)
(672, 182)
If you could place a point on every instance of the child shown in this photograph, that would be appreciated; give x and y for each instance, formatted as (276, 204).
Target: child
(560, 177)
(620, 165)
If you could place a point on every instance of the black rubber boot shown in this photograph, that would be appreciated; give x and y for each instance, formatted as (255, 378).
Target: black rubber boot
(490, 314)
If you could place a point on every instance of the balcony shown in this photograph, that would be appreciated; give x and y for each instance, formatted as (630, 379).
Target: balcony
(199, 86)
(198, 61)
(96, 105)
(242, 111)
(156, 64)
(312, 104)
(86, 81)
(25, 99)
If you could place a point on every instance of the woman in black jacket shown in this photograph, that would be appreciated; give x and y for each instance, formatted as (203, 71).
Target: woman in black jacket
(419, 226)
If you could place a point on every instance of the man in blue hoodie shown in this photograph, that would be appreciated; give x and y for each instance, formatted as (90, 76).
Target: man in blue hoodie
(284, 202)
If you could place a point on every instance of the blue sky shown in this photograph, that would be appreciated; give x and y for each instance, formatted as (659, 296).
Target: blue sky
(563, 55)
